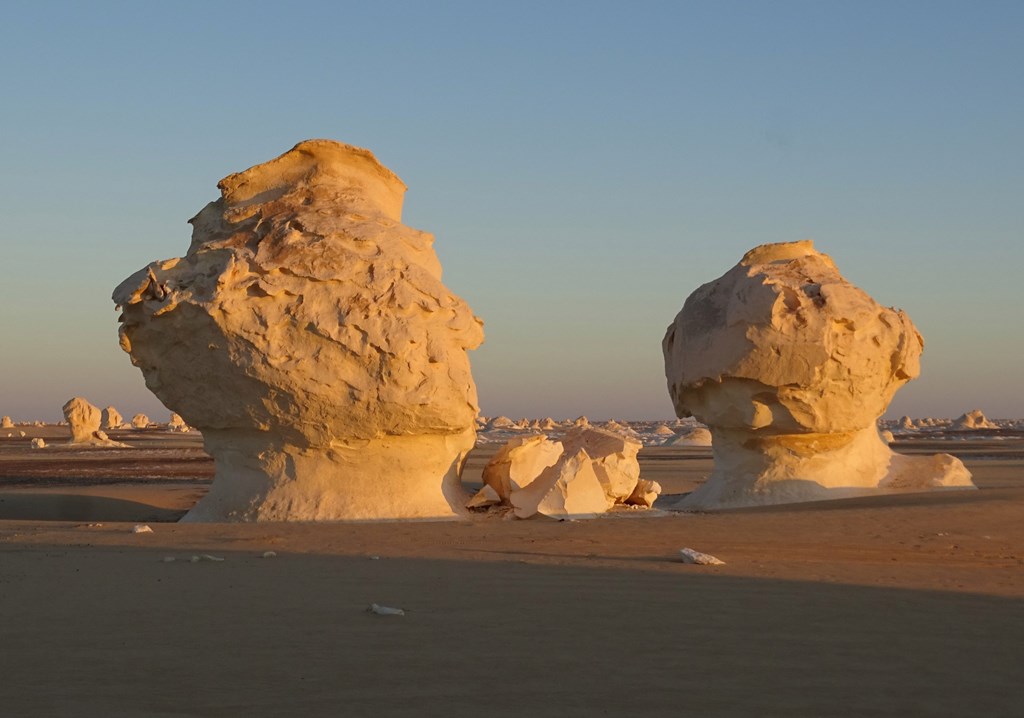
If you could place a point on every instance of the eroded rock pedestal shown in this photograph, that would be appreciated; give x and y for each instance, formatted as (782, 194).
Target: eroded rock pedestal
(308, 336)
(790, 367)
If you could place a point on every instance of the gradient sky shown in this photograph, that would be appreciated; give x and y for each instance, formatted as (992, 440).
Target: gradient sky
(583, 165)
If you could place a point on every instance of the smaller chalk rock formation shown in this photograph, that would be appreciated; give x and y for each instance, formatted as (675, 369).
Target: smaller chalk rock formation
(111, 419)
(972, 420)
(696, 436)
(663, 430)
(140, 421)
(6, 423)
(500, 423)
(84, 421)
(38, 443)
(791, 366)
(583, 475)
(177, 423)
(308, 336)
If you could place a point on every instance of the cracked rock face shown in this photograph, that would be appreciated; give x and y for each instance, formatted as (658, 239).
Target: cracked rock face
(790, 366)
(308, 336)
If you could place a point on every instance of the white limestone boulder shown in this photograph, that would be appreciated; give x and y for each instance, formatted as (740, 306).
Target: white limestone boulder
(308, 336)
(140, 421)
(556, 478)
(519, 462)
(6, 423)
(790, 366)
(614, 457)
(570, 489)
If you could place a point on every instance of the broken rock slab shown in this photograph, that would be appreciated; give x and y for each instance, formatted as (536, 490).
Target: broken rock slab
(570, 489)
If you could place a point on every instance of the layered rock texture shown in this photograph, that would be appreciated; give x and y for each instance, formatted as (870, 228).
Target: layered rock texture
(308, 336)
(585, 474)
(790, 366)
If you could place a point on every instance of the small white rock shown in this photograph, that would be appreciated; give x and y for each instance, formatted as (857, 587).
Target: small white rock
(385, 610)
(269, 554)
(141, 529)
(689, 555)
(168, 559)
(205, 557)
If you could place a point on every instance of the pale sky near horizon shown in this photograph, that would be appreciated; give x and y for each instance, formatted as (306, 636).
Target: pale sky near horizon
(584, 166)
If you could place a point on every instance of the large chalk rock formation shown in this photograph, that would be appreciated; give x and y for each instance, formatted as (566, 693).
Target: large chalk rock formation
(790, 367)
(308, 336)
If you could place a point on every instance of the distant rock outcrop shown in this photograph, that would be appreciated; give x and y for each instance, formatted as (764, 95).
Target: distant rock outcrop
(140, 421)
(83, 419)
(973, 420)
(6, 423)
(111, 419)
(308, 336)
(790, 366)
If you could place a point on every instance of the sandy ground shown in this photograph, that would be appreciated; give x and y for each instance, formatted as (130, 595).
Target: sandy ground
(905, 605)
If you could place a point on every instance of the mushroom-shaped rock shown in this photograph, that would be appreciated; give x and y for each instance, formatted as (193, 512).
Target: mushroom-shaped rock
(790, 367)
(111, 419)
(308, 336)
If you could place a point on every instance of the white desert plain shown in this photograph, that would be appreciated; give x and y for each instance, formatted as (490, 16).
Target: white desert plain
(323, 524)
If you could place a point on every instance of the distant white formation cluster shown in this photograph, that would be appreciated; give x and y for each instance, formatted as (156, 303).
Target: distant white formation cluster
(584, 475)
(308, 336)
(790, 366)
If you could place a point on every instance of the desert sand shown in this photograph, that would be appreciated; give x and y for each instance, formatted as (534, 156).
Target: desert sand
(895, 605)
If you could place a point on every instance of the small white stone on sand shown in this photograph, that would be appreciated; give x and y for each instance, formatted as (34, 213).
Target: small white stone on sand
(689, 555)
(141, 529)
(205, 557)
(385, 610)
(168, 559)
(269, 554)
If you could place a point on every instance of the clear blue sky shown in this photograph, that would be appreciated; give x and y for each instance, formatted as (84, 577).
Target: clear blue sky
(583, 165)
